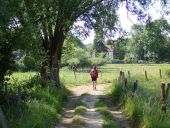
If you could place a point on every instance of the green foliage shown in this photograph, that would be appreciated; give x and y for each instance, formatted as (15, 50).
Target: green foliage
(80, 108)
(150, 42)
(99, 61)
(99, 46)
(120, 48)
(30, 63)
(79, 57)
(116, 93)
(19, 66)
(107, 115)
(143, 109)
(74, 62)
(42, 105)
(167, 72)
(78, 122)
(130, 60)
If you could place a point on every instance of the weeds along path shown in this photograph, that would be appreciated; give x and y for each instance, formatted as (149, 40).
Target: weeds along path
(90, 118)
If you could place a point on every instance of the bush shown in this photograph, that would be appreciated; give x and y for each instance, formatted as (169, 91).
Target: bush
(130, 60)
(41, 106)
(117, 61)
(74, 62)
(30, 63)
(19, 66)
(98, 61)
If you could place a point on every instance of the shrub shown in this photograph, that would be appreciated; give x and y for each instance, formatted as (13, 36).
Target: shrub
(30, 63)
(19, 66)
(74, 62)
(98, 61)
(117, 61)
(130, 60)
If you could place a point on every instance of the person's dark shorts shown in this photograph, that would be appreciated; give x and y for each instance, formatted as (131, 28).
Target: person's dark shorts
(94, 78)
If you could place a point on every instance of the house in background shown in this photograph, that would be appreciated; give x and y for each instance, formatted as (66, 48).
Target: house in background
(110, 50)
(94, 53)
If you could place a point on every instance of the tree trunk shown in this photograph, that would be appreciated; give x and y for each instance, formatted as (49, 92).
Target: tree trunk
(56, 52)
(3, 119)
(55, 68)
(53, 46)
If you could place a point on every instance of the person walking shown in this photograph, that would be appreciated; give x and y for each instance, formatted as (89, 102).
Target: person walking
(94, 76)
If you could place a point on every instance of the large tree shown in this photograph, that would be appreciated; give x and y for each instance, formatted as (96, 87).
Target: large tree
(151, 40)
(54, 19)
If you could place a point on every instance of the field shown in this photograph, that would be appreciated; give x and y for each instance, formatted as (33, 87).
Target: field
(144, 110)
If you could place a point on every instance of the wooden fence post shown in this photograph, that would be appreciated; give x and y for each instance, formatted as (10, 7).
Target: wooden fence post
(146, 76)
(126, 83)
(123, 78)
(75, 75)
(160, 72)
(167, 91)
(136, 87)
(120, 75)
(3, 119)
(129, 75)
(162, 98)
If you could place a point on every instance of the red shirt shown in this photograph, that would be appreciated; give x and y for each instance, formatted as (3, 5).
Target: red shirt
(94, 75)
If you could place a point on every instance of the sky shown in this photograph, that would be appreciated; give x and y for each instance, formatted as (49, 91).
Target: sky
(126, 23)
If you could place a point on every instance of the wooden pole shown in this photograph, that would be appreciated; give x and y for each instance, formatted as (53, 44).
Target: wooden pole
(162, 98)
(160, 72)
(126, 83)
(167, 91)
(146, 76)
(129, 75)
(136, 88)
(75, 75)
(123, 78)
(120, 75)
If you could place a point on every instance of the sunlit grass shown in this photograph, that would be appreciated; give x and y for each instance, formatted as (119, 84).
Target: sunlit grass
(145, 109)
(107, 115)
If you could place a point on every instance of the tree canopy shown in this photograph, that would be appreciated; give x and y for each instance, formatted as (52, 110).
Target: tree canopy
(47, 22)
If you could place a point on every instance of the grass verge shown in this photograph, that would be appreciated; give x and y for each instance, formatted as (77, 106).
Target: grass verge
(107, 115)
(78, 121)
(40, 107)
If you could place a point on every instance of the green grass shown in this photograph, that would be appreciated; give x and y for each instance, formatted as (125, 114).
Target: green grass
(144, 110)
(78, 122)
(80, 108)
(107, 115)
(68, 78)
(41, 106)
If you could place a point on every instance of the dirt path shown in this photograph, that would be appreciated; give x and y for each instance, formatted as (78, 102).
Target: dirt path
(92, 118)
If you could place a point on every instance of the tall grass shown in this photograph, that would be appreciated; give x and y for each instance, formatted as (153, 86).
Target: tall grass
(144, 110)
(41, 106)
